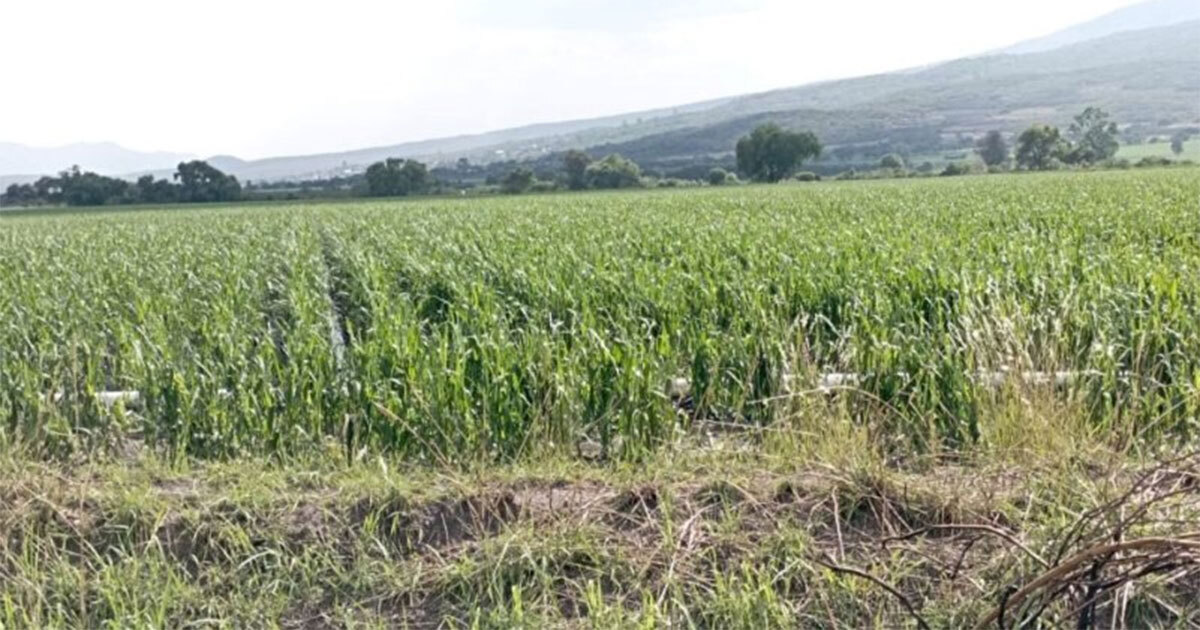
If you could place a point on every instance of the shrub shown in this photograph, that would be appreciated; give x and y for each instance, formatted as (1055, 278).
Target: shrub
(956, 168)
(671, 182)
(806, 176)
(1152, 161)
(614, 171)
(892, 161)
(518, 181)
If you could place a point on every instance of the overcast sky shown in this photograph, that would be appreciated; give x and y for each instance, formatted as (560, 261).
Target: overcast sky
(256, 78)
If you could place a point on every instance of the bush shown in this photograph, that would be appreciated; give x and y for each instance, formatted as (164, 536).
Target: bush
(806, 176)
(956, 168)
(671, 182)
(718, 177)
(614, 171)
(518, 181)
(892, 161)
(1153, 161)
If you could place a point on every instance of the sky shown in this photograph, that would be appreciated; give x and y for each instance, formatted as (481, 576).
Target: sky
(256, 78)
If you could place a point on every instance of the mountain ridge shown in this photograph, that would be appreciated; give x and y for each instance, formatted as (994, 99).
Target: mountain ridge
(1142, 77)
(106, 158)
(1144, 15)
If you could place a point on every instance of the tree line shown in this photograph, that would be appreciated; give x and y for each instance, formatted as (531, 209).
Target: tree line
(1090, 140)
(193, 182)
(395, 177)
(769, 153)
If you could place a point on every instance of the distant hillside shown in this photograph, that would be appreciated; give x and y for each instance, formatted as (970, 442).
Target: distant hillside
(105, 158)
(1145, 15)
(481, 147)
(6, 180)
(1149, 79)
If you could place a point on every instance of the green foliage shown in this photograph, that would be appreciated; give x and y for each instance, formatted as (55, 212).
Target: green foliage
(1039, 147)
(1178, 139)
(150, 190)
(1093, 137)
(992, 148)
(199, 182)
(518, 181)
(514, 326)
(394, 177)
(614, 171)
(1152, 161)
(806, 176)
(956, 168)
(892, 161)
(717, 177)
(770, 153)
(575, 165)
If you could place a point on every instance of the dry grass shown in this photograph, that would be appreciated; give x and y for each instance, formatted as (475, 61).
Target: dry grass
(723, 537)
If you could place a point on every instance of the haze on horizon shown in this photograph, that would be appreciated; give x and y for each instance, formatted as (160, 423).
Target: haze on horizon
(277, 78)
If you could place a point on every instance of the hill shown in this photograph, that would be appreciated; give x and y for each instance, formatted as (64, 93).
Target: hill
(1145, 15)
(1148, 79)
(105, 158)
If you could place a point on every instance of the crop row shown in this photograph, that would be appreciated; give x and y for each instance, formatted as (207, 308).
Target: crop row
(500, 328)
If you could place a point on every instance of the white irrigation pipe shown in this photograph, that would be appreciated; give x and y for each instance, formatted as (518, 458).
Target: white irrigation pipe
(828, 383)
(825, 383)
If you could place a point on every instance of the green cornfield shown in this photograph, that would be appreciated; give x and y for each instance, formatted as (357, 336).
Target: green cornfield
(492, 329)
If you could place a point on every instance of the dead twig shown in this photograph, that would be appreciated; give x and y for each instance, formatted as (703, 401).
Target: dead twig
(987, 529)
(830, 564)
(1177, 547)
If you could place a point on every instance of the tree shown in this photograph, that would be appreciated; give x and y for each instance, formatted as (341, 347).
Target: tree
(1093, 137)
(1038, 147)
(892, 161)
(395, 177)
(19, 195)
(517, 181)
(1177, 141)
(575, 163)
(613, 171)
(150, 190)
(718, 176)
(955, 168)
(992, 149)
(80, 188)
(201, 182)
(770, 153)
